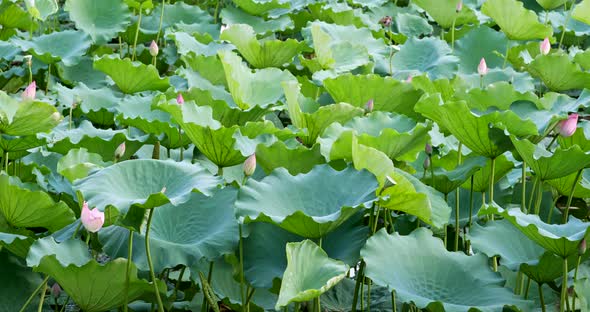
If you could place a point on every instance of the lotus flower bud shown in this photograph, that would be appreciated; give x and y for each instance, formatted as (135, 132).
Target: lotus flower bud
(154, 49)
(482, 68)
(28, 59)
(369, 106)
(92, 220)
(566, 128)
(582, 247)
(409, 79)
(426, 163)
(385, 21)
(30, 91)
(459, 6)
(250, 165)
(120, 151)
(428, 149)
(179, 99)
(545, 46)
(56, 116)
(55, 290)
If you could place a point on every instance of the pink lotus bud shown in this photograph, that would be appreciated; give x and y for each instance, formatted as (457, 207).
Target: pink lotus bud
(482, 68)
(250, 165)
(459, 6)
(30, 91)
(92, 219)
(545, 46)
(385, 21)
(409, 79)
(154, 48)
(179, 99)
(426, 163)
(566, 128)
(55, 290)
(120, 151)
(428, 149)
(582, 247)
(369, 106)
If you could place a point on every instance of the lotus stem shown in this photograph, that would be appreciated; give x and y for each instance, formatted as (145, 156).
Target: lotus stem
(120, 47)
(506, 54)
(533, 193)
(177, 286)
(48, 78)
(453, 35)
(359, 276)
(457, 197)
(35, 292)
(160, 26)
(541, 298)
(567, 20)
(129, 256)
(491, 183)
(209, 277)
(551, 210)
(30, 66)
(363, 294)
(571, 196)
(563, 287)
(241, 251)
(368, 297)
(551, 143)
(393, 301)
(216, 13)
(523, 192)
(575, 279)
(136, 35)
(526, 289)
(180, 140)
(63, 308)
(469, 223)
(149, 259)
(431, 170)
(375, 221)
(43, 290)
(539, 198)
(6, 162)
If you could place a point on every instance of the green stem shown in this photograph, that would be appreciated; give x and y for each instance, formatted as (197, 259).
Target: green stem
(35, 292)
(149, 260)
(457, 199)
(526, 289)
(30, 73)
(359, 278)
(209, 277)
(129, 256)
(363, 295)
(393, 301)
(241, 251)
(453, 35)
(549, 218)
(523, 192)
(136, 35)
(368, 297)
(575, 279)
(533, 193)
(376, 219)
(567, 20)
(541, 298)
(506, 54)
(120, 48)
(431, 170)
(551, 143)
(571, 196)
(63, 308)
(180, 140)
(216, 13)
(48, 78)
(177, 286)
(43, 290)
(563, 287)
(539, 198)
(492, 178)
(159, 27)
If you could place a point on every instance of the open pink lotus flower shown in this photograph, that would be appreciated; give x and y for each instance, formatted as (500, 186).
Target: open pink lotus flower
(92, 220)
(30, 91)
(566, 128)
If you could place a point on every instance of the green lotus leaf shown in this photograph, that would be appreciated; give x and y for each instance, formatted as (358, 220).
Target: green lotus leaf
(547, 165)
(187, 43)
(558, 72)
(264, 257)
(146, 183)
(583, 59)
(340, 298)
(563, 186)
(26, 117)
(78, 163)
(261, 88)
(18, 283)
(231, 15)
(18, 146)
(98, 141)
(305, 216)
(340, 13)
(481, 179)
(306, 115)
(431, 56)
(521, 81)
(96, 104)
(83, 73)
(8, 51)
(179, 12)
(67, 46)
(411, 25)
(261, 7)
(310, 273)
(71, 266)
(549, 267)
(196, 81)
(299, 159)
(388, 94)
(582, 12)
(480, 132)
(42, 9)
(208, 66)
(463, 281)
(515, 21)
(398, 136)
(500, 238)
(131, 77)
(22, 207)
(478, 43)
(448, 175)
(13, 16)
(551, 4)
(268, 53)
(582, 287)
(204, 227)
(101, 20)
(445, 14)
(17, 244)
(561, 239)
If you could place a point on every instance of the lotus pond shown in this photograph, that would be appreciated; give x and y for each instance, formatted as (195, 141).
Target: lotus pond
(307, 155)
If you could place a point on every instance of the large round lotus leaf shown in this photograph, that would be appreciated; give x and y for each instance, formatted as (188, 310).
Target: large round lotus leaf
(145, 182)
(547, 165)
(179, 12)
(341, 297)
(270, 53)
(17, 244)
(388, 94)
(78, 163)
(558, 72)
(477, 43)
(428, 55)
(41, 9)
(582, 12)
(67, 46)
(264, 248)
(398, 136)
(22, 207)
(549, 267)
(298, 159)
(310, 273)
(515, 21)
(561, 239)
(102, 20)
(231, 15)
(187, 43)
(448, 175)
(131, 77)
(18, 283)
(583, 59)
(248, 89)
(551, 4)
(92, 286)
(26, 118)
(208, 66)
(500, 238)
(563, 186)
(202, 227)
(480, 132)
(445, 14)
(305, 204)
(261, 7)
(426, 272)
